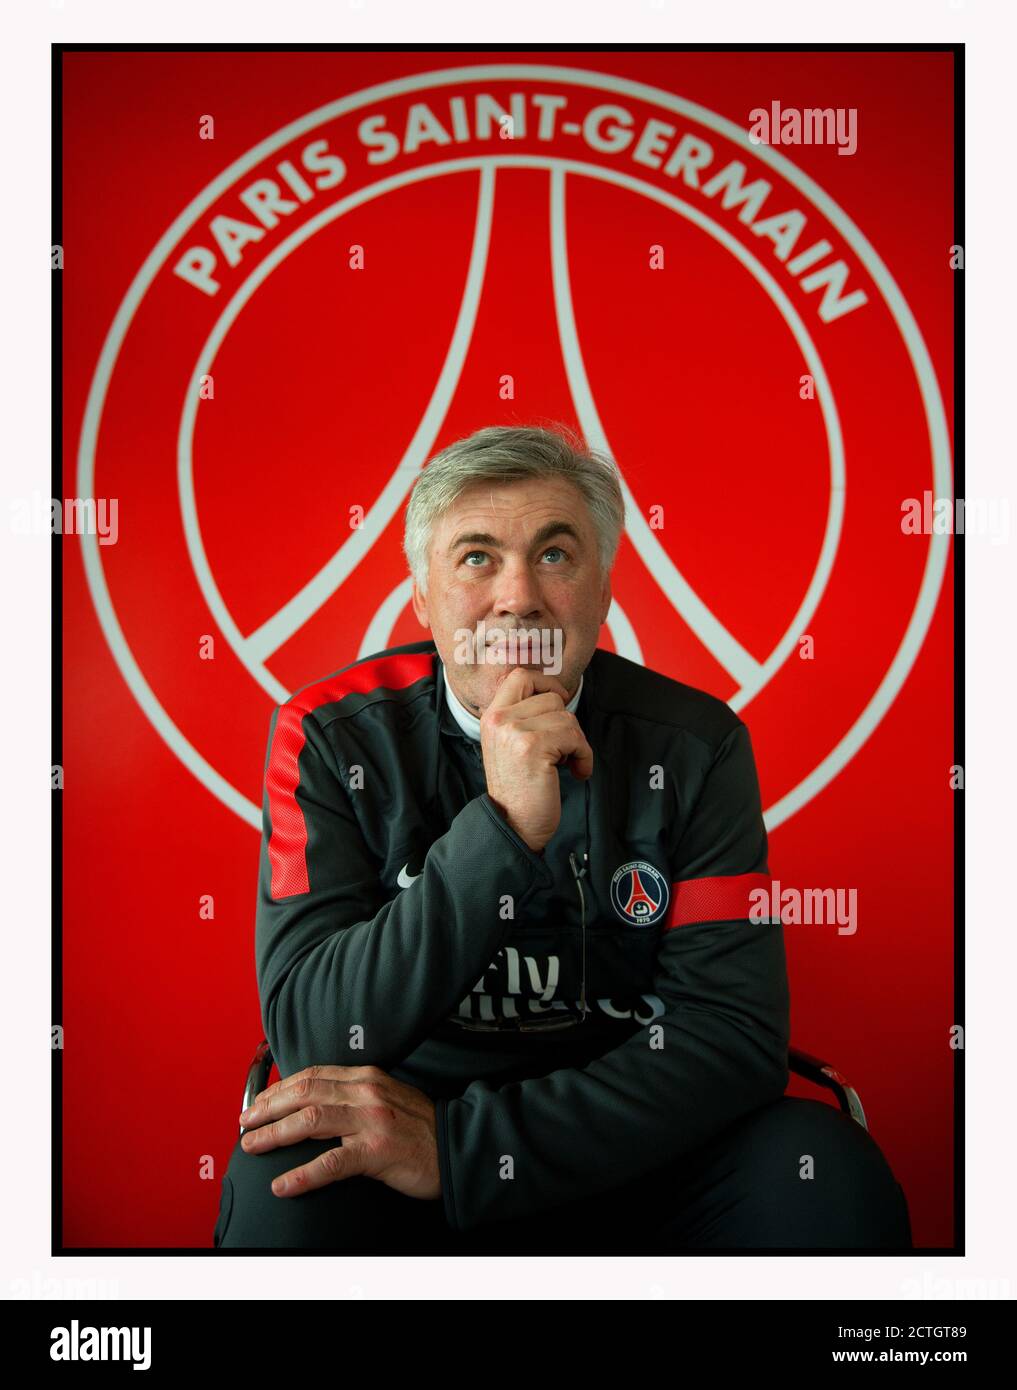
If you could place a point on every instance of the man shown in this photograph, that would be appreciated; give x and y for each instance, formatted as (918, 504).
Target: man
(507, 960)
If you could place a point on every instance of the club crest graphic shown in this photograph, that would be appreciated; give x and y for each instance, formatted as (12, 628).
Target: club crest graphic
(515, 243)
(639, 893)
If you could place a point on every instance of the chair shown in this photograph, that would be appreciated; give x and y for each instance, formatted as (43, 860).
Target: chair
(800, 1063)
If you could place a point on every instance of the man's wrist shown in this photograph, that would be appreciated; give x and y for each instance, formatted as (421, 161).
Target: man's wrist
(515, 829)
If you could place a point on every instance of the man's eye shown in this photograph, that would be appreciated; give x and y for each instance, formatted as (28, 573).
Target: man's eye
(484, 555)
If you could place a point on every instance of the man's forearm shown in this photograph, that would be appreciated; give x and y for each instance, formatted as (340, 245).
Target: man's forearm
(370, 992)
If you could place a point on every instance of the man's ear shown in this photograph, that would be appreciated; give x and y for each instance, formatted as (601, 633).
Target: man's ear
(420, 606)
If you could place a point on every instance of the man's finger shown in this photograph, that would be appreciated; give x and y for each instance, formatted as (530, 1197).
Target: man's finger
(326, 1090)
(305, 1122)
(287, 1081)
(281, 1101)
(575, 751)
(331, 1166)
(330, 1072)
(520, 683)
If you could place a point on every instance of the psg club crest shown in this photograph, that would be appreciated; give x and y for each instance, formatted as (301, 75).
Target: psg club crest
(639, 893)
(427, 200)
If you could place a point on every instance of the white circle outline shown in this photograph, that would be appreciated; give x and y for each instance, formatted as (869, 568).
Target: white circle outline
(928, 387)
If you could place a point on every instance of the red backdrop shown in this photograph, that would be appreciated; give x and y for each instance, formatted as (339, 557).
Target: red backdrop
(521, 290)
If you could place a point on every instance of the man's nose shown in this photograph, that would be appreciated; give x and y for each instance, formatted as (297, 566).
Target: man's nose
(518, 591)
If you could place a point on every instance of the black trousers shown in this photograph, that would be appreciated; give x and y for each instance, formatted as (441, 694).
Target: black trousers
(745, 1190)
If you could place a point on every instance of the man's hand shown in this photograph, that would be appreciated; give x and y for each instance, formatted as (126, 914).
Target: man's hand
(387, 1129)
(525, 732)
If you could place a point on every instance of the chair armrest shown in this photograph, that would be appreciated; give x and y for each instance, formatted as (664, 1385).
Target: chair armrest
(824, 1074)
(257, 1075)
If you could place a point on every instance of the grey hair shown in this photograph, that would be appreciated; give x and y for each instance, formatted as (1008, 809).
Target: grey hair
(501, 454)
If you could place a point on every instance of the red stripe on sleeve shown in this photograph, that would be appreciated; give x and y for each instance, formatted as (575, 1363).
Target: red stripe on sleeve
(718, 900)
(287, 845)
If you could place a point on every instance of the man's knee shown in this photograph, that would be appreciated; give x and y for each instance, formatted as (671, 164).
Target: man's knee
(355, 1215)
(802, 1174)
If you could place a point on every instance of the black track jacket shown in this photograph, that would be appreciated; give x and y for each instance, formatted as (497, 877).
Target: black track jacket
(394, 900)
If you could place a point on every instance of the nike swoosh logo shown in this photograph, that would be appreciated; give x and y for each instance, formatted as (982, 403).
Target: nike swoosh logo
(404, 880)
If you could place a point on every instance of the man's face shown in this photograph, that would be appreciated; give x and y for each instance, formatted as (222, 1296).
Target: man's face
(514, 555)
